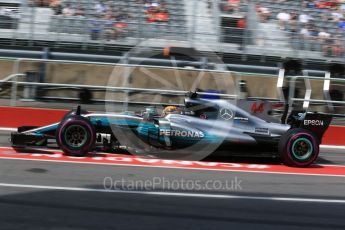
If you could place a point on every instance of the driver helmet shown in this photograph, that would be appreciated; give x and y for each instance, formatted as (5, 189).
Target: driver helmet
(170, 109)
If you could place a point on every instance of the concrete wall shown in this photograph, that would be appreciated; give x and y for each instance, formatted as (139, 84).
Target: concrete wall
(6, 68)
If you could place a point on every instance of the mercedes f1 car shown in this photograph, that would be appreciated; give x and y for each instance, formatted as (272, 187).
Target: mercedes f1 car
(226, 126)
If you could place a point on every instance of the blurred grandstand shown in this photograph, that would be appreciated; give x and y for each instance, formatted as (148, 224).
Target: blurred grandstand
(258, 40)
(303, 29)
(261, 30)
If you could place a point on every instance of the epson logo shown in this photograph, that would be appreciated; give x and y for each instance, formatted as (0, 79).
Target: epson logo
(179, 133)
(313, 122)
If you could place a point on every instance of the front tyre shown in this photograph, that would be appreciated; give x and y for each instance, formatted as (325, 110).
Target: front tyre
(76, 136)
(298, 147)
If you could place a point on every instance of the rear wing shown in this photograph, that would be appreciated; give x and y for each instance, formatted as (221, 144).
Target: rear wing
(317, 123)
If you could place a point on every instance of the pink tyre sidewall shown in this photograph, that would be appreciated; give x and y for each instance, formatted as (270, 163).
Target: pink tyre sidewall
(87, 147)
(315, 146)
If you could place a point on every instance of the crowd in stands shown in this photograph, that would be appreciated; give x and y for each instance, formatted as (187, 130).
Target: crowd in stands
(232, 6)
(109, 20)
(156, 11)
(235, 7)
(313, 25)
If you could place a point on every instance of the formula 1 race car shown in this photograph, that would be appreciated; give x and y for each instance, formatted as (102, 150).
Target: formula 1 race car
(238, 128)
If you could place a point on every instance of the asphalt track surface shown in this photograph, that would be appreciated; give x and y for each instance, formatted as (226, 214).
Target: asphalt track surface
(57, 195)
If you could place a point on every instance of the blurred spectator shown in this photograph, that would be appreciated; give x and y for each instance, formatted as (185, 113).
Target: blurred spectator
(326, 16)
(114, 30)
(337, 15)
(96, 26)
(341, 25)
(334, 47)
(314, 32)
(305, 33)
(68, 10)
(100, 7)
(307, 26)
(109, 32)
(230, 6)
(293, 22)
(327, 46)
(342, 5)
(115, 23)
(156, 11)
(326, 4)
(264, 13)
(314, 44)
(304, 18)
(283, 18)
(323, 35)
(79, 12)
(309, 4)
(56, 6)
(40, 3)
(119, 29)
(162, 16)
(338, 48)
(234, 5)
(209, 4)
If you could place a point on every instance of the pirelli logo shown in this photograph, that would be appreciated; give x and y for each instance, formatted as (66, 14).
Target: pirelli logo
(313, 122)
(180, 133)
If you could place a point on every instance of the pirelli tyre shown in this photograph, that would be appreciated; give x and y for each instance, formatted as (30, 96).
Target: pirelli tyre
(76, 136)
(298, 147)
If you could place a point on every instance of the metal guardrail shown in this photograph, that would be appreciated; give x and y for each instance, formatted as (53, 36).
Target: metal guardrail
(307, 97)
(13, 79)
(9, 78)
(159, 63)
(112, 89)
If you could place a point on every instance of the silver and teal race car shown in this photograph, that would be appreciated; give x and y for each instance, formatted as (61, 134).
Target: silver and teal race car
(202, 126)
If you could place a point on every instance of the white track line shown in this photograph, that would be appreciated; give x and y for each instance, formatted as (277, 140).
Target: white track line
(177, 194)
(8, 129)
(179, 168)
(338, 147)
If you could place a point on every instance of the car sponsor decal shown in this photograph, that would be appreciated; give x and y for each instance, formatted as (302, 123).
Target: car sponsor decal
(226, 114)
(264, 131)
(241, 119)
(125, 160)
(313, 122)
(180, 133)
(257, 108)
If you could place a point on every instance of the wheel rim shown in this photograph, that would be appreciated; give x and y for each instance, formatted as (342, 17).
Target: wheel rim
(302, 148)
(76, 136)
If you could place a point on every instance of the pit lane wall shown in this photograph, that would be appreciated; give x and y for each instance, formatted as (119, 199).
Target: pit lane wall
(12, 117)
(138, 77)
(258, 85)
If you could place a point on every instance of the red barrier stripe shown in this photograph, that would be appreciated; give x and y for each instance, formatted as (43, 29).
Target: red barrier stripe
(12, 117)
(125, 160)
(335, 135)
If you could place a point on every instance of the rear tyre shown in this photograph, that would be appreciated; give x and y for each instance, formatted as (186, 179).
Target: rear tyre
(76, 136)
(298, 147)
